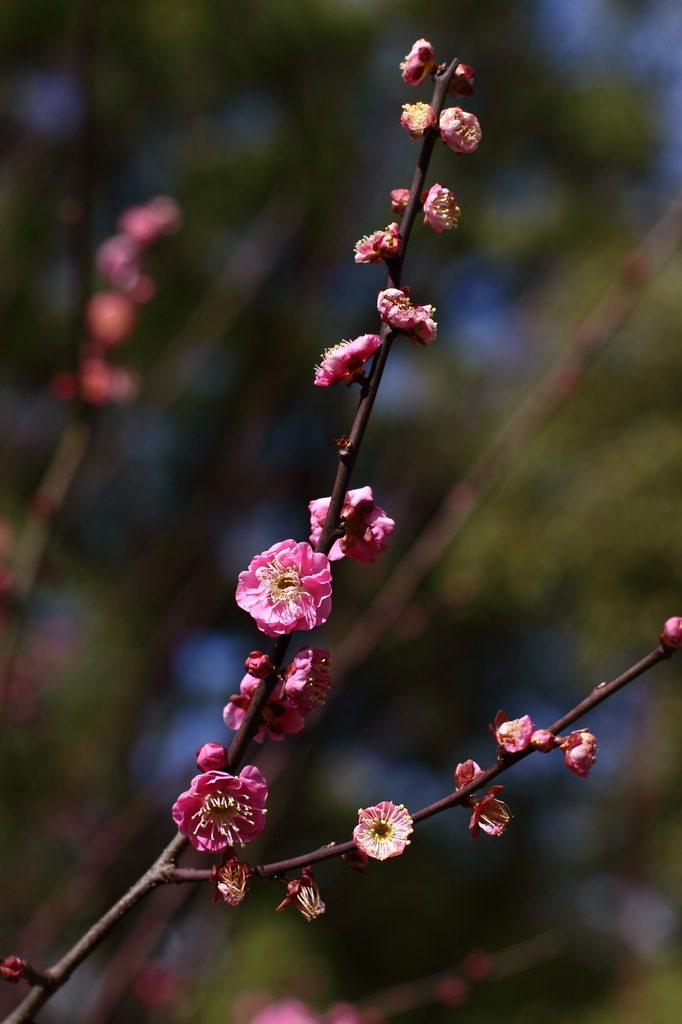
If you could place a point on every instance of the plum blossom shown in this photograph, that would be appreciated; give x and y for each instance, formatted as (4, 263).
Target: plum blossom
(396, 309)
(12, 969)
(304, 894)
(459, 129)
(259, 665)
(512, 735)
(98, 382)
(462, 83)
(220, 809)
(380, 245)
(147, 222)
(580, 752)
(287, 587)
(343, 362)
(440, 208)
(543, 740)
(671, 637)
(489, 813)
(399, 197)
(118, 260)
(416, 118)
(211, 757)
(466, 772)
(382, 830)
(366, 526)
(280, 716)
(306, 679)
(231, 878)
(418, 62)
(110, 317)
(287, 1011)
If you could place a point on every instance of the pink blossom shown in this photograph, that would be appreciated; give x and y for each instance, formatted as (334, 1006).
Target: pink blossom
(287, 1011)
(304, 895)
(490, 814)
(416, 118)
(671, 637)
(543, 740)
(110, 317)
(399, 312)
(145, 223)
(12, 969)
(418, 62)
(380, 245)
(118, 260)
(467, 772)
(142, 289)
(366, 526)
(219, 809)
(440, 208)
(280, 716)
(382, 830)
(211, 757)
(580, 752)
(306, 679)
(231, 878)
(259, 665)
(459, 129)
(462, 83)
(342, 1013)
(344, 362)
(399, 197)
(513, 735)
(287, 587)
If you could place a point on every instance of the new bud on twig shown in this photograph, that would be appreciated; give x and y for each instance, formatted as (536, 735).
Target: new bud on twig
(462, 83)
(357, 860)
(211, 757)
(259, 665)
(12, 969)
(399, 197)
(543, 740)
(671, 637)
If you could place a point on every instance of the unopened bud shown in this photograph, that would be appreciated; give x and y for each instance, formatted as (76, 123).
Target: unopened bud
(671, 637)
(110, 317)
(542, 740)
(211, 757)
(356, 859)
(259, 665)
(399, 197)
(12, 968)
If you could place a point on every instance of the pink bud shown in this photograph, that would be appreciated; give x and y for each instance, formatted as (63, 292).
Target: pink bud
(462, 83)
(399, 197)
(118, 260)
(580, 752)
(259, 665)
(144, 224)
(211, 757)
(141, 290)
(671, 637)
(95, 378)
(110, 317)
(467, 772)
(543, 741)
(416, 118)
(418, 62)
(460, 129)
(357, 860)
(12, 969)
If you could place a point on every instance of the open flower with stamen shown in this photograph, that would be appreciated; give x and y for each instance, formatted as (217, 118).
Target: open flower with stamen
(512, 735)
(279, 714)
(380, 245)
(231, 878)
(365, 524)
(440, 208)
(418, 62)
(304, 894)
(287, 587)
(462, 82)
(396, 309)
(382, 830)
(220, 809)
(459, 129)
(416, 118)
(488, 813)
(343, 363)
(580, 751)
(306, 679)
(399, 197)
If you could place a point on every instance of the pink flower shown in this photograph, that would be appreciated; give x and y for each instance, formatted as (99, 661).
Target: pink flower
(543, 740)
(219, 809)
(418, 62)
(462, 83)
(344, 362)
(12, 969)
(380, 245)
(467, 772)
(343, 1013)
(118, 260)
(489, 814)
(382, 830)
(416, 118)
(513, 735)
(440, 208)
(259, 665)
(416, 322)
(305, 896)
(366, 526)
(144, 224)
(287, 587)
(141, 290)
(399, 197)
(231, 878)
(287, 1011)
(110, 317)
(306, 679)
(211, 757)
(460, 129)
(580, 752)
(671, 637)
(280, 716)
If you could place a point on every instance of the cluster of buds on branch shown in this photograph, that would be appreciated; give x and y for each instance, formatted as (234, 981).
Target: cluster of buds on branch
(110, 316)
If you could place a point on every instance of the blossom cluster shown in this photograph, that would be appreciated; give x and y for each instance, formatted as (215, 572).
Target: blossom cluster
(110, 315)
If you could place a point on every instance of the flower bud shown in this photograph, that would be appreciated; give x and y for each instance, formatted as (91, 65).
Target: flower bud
(12, 969)
(418, 62)
(356, 859)
(543, 741)
(671, 637)
(467, 772)
(462, 83)
(211, 757)
(259, 665)
(399, 197)
(110, 317)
